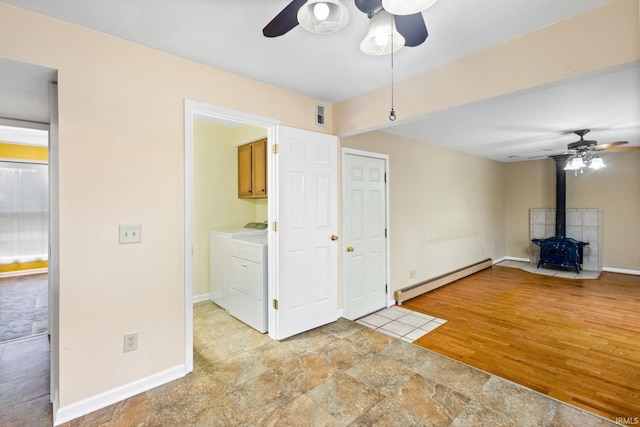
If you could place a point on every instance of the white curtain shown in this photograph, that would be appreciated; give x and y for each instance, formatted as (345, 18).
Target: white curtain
(24, 212)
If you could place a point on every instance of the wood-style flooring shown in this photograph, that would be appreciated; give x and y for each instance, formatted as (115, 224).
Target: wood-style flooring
(577, 341)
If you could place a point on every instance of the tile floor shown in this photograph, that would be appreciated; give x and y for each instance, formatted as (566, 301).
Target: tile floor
(341, 374)
(23, 306)
(401, 323)
(560, 272)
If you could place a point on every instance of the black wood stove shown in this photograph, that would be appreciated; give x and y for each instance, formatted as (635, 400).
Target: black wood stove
(560, 250)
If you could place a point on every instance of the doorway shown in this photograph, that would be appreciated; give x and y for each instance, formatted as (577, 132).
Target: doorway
(365, 232)
(197, 112)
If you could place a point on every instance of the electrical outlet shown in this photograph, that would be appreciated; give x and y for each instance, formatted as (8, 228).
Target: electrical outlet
(130, 233)
(130, 342)
(412, 274)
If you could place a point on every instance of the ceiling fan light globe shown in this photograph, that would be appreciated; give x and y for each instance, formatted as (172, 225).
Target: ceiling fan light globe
(321, 11)
(574, 164)
(310, 14)
(378, 40)
(406, 7)
(597, 163)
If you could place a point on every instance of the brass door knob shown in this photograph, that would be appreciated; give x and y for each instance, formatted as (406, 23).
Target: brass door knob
(350, 249)
(334, 237)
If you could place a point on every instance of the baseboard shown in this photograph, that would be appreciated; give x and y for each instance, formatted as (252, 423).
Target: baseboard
(511, 258)
(17, 273)
(200, 298)
(621, 270)
(417, 289)
(70, 412)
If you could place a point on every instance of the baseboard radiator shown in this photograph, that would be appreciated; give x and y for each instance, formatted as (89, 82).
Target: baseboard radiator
(413, 291)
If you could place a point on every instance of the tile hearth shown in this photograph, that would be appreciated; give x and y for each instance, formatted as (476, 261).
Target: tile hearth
(567, 273)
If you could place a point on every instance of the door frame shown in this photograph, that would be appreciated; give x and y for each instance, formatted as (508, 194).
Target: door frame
(345, 284)
(192, 109)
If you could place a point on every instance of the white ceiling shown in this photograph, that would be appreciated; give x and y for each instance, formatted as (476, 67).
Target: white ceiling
(227, 34)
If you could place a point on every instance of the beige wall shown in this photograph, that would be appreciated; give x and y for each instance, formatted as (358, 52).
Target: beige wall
(446, 207)
(615, 189)
(121, 133)
(601, 38)
(215, 191)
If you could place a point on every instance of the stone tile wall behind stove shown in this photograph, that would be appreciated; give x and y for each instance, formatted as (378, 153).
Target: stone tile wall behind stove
(584, 225)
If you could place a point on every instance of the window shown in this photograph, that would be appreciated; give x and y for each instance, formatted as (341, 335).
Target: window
(24, 212)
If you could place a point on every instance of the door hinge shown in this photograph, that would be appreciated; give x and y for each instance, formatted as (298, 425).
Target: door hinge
(275, 149)
(275, 304)
(385, 177)
(275, 226)
(386, 288)
(385, 233)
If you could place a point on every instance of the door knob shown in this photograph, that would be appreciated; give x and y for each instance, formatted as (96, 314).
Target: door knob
(350, 249)
(334, 237)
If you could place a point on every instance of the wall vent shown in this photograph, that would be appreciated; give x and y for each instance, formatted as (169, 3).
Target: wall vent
(320, 115)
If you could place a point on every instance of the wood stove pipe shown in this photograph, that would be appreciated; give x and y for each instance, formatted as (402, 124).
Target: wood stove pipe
(561, 194)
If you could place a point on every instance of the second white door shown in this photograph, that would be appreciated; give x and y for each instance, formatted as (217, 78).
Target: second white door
(364, 245)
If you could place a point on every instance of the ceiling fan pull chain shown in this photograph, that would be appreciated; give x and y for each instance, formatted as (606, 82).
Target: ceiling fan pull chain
(392, 113)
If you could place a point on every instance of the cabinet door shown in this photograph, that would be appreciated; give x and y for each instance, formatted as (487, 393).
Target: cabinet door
(259, 168)
(244, 171)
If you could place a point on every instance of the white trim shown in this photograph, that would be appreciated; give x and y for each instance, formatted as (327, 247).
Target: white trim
(102, 400)
(510, 258)
(192, 110)
(345, 151)
(201, 297)
(17, 273)
(53, 264)
(621, 270)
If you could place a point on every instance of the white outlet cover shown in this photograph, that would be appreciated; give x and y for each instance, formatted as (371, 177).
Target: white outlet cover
(130, 233)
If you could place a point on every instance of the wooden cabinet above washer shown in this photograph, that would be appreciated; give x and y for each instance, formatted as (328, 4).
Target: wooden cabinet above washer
(252, 170)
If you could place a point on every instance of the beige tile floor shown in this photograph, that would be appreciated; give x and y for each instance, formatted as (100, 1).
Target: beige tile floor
(340, 374)
(401, 323)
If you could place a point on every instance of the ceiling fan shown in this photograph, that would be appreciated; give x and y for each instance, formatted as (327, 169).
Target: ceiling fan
(583, 153)
(393, 23)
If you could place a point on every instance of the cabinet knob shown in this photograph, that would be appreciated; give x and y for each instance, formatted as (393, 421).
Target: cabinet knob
(334, 237)
(350, 249)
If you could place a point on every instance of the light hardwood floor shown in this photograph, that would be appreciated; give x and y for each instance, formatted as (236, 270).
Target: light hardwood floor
(574, 340)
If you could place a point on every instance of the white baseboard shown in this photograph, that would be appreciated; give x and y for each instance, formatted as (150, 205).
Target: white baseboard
(70, 412)
(200, 298)
(510, 258)
(24, 272)
(621, 270)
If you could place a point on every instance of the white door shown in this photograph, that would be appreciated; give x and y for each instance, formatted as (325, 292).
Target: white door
(305, 280)
(364, 240)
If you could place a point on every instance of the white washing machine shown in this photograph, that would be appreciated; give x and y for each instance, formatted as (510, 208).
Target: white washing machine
(247, 286)
(238, 272)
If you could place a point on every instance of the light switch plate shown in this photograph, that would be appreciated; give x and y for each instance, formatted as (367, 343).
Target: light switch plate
(131, 233)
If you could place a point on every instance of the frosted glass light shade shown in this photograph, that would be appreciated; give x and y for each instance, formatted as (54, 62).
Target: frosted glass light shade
(311, 14)
(574, 164)
(378, 40)
(597, 163)
(406, 7)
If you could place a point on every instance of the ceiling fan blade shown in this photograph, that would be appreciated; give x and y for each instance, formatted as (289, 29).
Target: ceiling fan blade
(610, 145)
(412, 28)
(284, 21)
(631, 148)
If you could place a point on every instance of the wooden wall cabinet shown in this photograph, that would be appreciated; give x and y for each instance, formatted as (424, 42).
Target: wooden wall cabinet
(252, 170)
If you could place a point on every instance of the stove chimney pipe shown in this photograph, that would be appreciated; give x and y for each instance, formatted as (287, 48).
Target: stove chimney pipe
(561, 194)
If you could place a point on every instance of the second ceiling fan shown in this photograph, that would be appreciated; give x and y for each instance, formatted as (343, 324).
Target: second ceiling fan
(393, 23)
